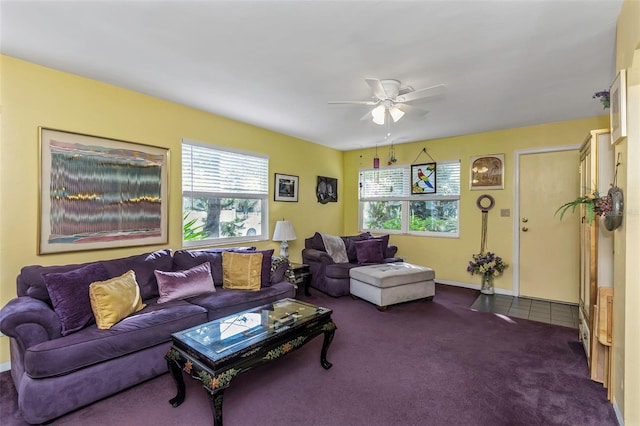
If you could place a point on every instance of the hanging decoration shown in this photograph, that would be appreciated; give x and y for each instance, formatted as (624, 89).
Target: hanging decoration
(392, 155)
(486, 264)
(615, 197)
(424, 175)
(376, 160)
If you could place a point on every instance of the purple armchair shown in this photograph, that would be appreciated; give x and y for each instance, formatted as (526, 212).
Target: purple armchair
(333, 278)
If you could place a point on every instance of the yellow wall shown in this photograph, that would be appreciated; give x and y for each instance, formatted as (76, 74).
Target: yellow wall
(33, 96)
(626, 338)
(449, 256)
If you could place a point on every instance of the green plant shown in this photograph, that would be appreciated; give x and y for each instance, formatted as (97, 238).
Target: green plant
(191, 230)
(593, 202)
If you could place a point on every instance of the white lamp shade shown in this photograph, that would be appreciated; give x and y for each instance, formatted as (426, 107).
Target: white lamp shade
(378, 114)
(396, 113)
(284, 231)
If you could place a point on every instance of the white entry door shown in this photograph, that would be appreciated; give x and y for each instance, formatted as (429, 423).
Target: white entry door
(549, 255)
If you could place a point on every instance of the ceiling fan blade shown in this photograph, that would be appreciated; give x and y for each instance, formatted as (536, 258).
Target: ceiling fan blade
(377, 88)
(412, 111)
(366, 117)
(371, 103)
(427, 92)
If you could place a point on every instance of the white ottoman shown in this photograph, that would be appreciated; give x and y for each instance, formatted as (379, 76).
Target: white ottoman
(392, 283)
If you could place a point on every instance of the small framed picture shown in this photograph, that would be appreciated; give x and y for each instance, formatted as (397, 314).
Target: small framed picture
(423, 178)
(285, 188)
(618, 111)
(327, 190)
(487, 172)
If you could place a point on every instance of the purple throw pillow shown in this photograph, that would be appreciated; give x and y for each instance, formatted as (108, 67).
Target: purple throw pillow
(369, 251)
(69, 294)
(183, 284)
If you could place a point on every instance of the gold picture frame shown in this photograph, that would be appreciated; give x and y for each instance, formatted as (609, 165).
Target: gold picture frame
(618, 110)
(486, 172)
(98, 193)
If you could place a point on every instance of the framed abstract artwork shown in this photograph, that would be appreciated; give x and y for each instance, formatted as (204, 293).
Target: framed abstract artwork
(487, 172)
(618, 110)
(327, 190)
(98, 193)
(423, 178)
(285, 188)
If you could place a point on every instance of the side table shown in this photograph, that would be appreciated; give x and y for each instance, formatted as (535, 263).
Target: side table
(301, 276)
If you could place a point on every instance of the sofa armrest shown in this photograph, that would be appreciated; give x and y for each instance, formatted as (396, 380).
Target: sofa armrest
(313, 255)
(30, 321)
(390, 251)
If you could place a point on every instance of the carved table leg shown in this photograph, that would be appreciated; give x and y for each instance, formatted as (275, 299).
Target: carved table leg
(176, 373)
(328, 338)
(216, 406)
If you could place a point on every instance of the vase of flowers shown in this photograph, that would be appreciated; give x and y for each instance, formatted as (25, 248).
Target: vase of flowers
(593, 202)
(488, 266)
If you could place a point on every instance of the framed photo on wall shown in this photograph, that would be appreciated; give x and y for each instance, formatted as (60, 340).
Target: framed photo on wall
(285, 188)
(618, 110)
(327, 190)
(486, 172)
(98, 193)
(423, 178)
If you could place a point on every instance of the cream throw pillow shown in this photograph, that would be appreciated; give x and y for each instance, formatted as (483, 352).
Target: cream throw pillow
(115, 299)
(241, 271)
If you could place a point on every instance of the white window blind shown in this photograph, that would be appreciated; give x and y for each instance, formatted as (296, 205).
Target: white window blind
(395, 182)
(213, 170)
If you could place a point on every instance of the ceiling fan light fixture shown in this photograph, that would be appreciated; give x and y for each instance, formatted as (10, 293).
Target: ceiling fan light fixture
(396, 113)
(378, 114)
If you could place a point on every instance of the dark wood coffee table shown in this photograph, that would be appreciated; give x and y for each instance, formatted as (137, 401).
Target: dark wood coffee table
(216, 352)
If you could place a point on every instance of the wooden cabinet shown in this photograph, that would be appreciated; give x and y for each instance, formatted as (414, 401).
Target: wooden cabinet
(596, 254)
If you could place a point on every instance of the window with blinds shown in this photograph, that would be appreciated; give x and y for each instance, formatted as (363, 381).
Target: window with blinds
(224, 195)
(387, 205)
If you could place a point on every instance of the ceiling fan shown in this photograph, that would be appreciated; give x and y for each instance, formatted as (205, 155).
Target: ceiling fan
(390, 101)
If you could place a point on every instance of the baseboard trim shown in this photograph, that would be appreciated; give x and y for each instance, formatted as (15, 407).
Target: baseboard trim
(5, 366)
(616, 410)
(473, 286)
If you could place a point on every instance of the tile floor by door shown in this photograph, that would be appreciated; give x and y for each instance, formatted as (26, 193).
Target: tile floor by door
(531, 309)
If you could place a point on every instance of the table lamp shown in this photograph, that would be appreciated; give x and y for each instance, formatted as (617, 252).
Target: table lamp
(284, 232)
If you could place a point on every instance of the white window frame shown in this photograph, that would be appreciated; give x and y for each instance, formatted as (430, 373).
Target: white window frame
(263, 196)
(404, 200)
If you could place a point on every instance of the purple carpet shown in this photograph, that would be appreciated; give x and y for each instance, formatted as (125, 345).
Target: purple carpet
(418, 363)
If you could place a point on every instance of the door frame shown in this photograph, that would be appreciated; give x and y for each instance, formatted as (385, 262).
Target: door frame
(516, 204)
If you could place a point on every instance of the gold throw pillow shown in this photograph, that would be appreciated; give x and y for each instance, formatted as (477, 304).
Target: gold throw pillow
(115, 299)
(241, 271)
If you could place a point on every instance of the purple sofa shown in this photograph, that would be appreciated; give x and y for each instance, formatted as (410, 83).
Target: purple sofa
(333, 278)
(55, 373)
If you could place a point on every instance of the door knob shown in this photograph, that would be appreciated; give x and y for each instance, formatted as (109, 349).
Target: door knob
(525, 220)
(525, 229)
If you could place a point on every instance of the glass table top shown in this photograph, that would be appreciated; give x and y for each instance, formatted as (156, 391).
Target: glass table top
(218, 338)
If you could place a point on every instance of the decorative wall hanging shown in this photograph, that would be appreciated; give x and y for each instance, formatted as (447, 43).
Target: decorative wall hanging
(615, 197)
(487, 172)
(618, 110)
(423, 178)
(486, 264)
(100, 193)
(285, 188)
(327, 190)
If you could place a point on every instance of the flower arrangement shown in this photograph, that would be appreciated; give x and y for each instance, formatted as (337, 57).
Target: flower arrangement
(594, 203)
(487, 264)
(603, 97)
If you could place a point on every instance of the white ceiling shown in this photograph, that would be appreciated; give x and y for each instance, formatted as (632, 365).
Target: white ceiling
(276, 64)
